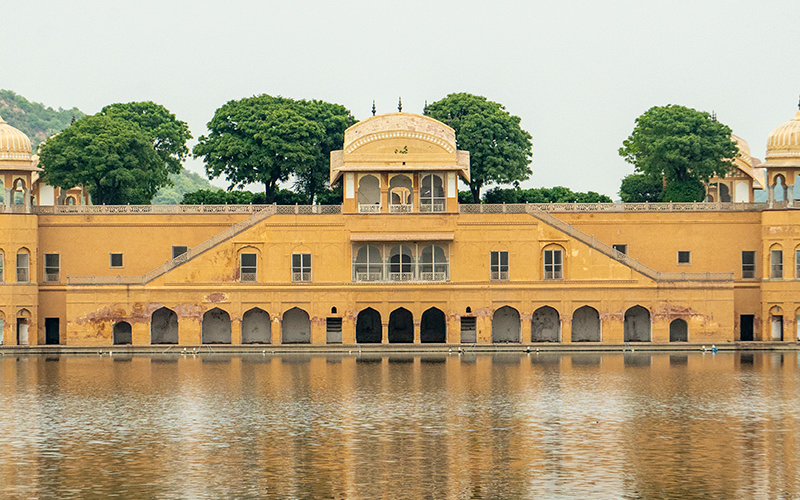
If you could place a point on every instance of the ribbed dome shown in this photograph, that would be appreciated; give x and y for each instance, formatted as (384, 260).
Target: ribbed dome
(14, 145)
(784, 141)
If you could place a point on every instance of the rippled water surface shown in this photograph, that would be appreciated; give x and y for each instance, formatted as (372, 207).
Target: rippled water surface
(723, 425)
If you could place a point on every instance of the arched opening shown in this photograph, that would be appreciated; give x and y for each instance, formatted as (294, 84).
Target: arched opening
(779, 189)
(433, 327)
(586, 325)
(122, 333)
(637, 324)
(776, 262)
(70, 200)
(678, 331)
(433, 265)
(216, 327)
(401, 326)
(776, 323)
(724, 193)
(18, 192)
(400, 199)
(545, 325)
(368, 327)
(431, 194)
(296, 328)
(369, 194)
(400, 263)
(368, 265)
(256, 327)
(505, 325)
(164, 327)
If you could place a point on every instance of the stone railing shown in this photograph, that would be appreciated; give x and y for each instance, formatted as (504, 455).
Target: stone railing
(183, 209)
(619, 256)
(521, 208)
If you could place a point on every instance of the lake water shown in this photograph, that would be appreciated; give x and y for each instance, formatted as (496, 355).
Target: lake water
(724, 425)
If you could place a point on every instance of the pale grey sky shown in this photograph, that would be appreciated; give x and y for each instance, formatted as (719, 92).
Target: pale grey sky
(578, 72)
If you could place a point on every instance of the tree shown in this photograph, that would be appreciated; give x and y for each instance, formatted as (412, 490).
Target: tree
(500, 151)
(639, 188)
(265, 139)
(682, 146)
(112, 158)
(168, 134)
(556, 194)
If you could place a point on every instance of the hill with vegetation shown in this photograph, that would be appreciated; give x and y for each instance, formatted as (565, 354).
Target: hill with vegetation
(39, 122)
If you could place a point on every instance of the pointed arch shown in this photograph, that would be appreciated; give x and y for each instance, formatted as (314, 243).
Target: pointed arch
(433, 326)
(368, 327)
(545, 325)
(401, 326)
(164, 327)
(505, 325)
(256, 327)
(296, 327)
(637, 324)
(586, 326)
(216, 327)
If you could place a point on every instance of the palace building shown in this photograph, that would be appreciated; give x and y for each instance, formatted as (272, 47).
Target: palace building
(400, 261)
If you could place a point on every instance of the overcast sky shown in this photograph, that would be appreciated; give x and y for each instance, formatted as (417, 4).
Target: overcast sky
(578, 73)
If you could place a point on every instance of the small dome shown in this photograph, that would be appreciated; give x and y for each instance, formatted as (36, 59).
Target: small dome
(784, 142)
(14, 145)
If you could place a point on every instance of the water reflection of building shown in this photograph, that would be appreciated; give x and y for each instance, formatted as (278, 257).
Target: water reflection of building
(400, 261)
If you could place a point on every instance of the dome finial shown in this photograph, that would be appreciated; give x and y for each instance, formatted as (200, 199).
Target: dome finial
(373, 107)
(399, 104)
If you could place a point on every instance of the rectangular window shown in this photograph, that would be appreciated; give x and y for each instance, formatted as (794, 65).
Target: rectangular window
(684, 257)
(499, 265)
(52, 266)
(301, 267)
(553, 268)
(23, 261)
(623, 249)
(115, 260)
(248, 267)
(749, 264)
(776, 264)
(2, 268)
(178, 250)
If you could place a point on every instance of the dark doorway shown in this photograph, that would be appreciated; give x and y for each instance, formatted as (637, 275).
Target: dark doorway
(368, 327)
(401, 326)
(469, 330)
(678, 331)
(122, 333)
(433, 327)
(51, 336)
(746, 327)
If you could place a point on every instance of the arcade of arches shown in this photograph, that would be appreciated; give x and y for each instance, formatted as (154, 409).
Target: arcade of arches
(401, 327)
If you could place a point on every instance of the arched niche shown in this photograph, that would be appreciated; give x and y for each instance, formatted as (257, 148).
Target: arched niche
(586, 325)
(216, 327)
(164, 327)
(637, 324)
(368, 327)
(678, 330)
(545, 325)
(401, 326)
(296, 327)
(121, 333)
(433, 326)
(505, 325)
(256, 327)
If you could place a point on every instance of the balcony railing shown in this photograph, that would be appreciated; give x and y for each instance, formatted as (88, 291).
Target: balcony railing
(369, 209)
(401, 209)
(431, 206)
(442, 273)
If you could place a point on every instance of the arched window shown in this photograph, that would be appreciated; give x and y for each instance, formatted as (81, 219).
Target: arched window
(401, 263)
(400, 199)
(431, 194)
(433, 264)
(369, 194)
(368, 265)
(23, 266)
(248, 265)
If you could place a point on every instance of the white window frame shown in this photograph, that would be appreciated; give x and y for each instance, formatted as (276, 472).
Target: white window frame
(498, 264)
(248, 272)
(23, 267)
(553, 267)
(301, 267)
(776, 264)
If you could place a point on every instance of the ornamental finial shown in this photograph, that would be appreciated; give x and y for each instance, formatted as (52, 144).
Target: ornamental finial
(399, 104)
(373, 107)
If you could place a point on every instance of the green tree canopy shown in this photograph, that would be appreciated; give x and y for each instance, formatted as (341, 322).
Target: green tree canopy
(682, 146)
(265, 140)
(112, 158)
(556, 194)
(639, 188)
(500, 151)
(168, 134)
(222, 197)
